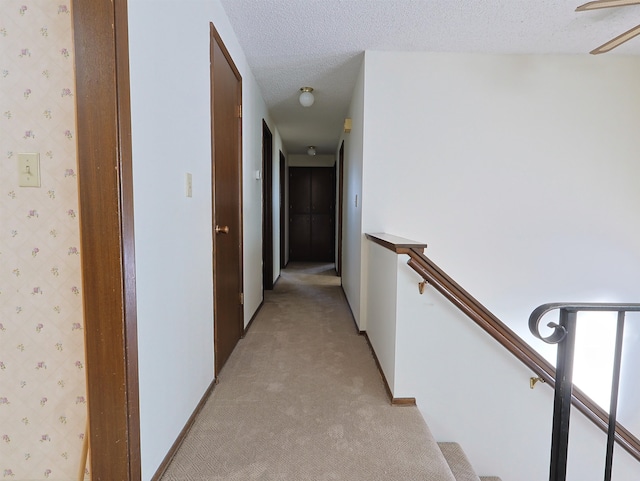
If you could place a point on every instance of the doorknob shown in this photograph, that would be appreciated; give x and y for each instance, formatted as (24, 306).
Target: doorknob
(222, 230)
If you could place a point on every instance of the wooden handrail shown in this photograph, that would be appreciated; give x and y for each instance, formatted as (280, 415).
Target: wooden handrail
(478, 313)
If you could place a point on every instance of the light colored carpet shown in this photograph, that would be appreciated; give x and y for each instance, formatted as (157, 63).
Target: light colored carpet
(301, 399)
(458, 462)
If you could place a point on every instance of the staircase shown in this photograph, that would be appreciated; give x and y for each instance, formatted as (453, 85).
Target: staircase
(459, 464)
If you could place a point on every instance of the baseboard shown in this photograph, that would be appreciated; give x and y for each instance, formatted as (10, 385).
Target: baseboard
(183, 434)
(395, 401)
(403, 401)
(253, 318)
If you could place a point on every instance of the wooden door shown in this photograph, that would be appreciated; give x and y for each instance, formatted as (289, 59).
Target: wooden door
(283, 216)
(299, 214)
(311, 214)
(226, 100)
(340, 207)
(267, 207)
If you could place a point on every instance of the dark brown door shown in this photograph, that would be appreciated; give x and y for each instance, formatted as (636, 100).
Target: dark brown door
(226, 95)
(311, 214)
(267, 207)
(283, 216)
(340, 206)
(299, 214)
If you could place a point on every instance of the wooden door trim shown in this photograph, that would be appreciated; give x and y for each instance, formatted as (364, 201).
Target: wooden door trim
(107, 236)
(340, 189)
(283, 211)
(215, 36)
(267, 207)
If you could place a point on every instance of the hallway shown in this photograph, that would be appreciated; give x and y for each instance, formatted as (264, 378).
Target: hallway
(302, 399)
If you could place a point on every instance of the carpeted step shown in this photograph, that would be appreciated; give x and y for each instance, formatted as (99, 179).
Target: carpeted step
(458, 462)
(490, 478)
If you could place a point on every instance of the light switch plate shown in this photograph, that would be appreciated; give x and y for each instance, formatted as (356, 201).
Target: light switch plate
(188, 185)
(29, 170)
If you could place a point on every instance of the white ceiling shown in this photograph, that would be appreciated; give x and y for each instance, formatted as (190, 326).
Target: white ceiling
(319, 43)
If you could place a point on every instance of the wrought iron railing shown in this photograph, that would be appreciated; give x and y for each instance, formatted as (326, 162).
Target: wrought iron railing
(564, 335)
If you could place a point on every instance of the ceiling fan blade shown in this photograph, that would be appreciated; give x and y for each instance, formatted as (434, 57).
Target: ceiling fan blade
(620, 39)
(606, 4)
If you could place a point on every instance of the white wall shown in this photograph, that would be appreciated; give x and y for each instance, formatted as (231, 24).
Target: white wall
(352, 214)
(628, 412)
(382, 306)
(312, 161)
(170, 100)
(254, 111)
(520, 172)
(524, 167)
(472, 391)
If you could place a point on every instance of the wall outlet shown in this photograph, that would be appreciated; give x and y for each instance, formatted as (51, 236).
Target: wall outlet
(29, 170)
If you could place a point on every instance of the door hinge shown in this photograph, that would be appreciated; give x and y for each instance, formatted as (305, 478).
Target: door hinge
(239, 111)
(242, 299)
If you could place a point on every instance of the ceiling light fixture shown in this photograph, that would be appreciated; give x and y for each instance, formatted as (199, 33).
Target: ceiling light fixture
(306, 97)
(311, 150)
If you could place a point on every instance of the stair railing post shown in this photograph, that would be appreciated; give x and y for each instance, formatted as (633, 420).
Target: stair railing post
(615, 388)
(562, 397)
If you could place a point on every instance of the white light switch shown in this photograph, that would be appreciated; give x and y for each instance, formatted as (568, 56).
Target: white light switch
(29, 170)
(188, 185)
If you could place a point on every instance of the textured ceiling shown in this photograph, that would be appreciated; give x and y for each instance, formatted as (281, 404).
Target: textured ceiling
(319, 43)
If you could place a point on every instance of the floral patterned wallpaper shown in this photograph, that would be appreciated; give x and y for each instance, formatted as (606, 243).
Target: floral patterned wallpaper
(42, 377)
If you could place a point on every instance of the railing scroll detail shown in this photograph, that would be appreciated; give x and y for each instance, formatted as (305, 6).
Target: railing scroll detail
(564, 335)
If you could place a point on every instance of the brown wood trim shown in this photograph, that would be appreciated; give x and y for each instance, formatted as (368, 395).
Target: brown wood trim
(267, 208)
(128, 238)
(340, 207)
(283, 213)
(253, 318)
(478, 313)
(403, 401)
(107, 237)
(399, 245)
(183, 434)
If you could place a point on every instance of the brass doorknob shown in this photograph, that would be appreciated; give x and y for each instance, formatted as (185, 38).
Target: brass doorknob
(222, 230)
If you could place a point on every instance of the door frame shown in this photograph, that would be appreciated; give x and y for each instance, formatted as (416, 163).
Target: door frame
(215, 36)
(267, 208)
(339, 208)
(105, 185)
(283, 211)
